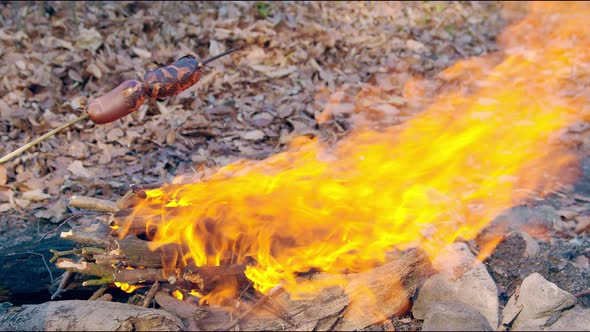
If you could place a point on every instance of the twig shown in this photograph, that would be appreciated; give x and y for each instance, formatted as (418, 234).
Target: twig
(98, 282)
(84, 238)
(93, 204)
(98, 293)
(44, 262)
(65, 221)
(150, 294)
(58, 254)
(583, 293)
(64, 281)
(40, 139)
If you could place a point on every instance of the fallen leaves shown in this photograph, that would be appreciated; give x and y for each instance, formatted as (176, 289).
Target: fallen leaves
(247, 105)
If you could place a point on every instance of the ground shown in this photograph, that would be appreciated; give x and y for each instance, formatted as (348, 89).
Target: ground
(247, 105)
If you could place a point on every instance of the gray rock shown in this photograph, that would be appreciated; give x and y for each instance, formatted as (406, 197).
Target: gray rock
(454, 316)
(511, 310)
(462, 279)
(536, 303)
(75, 315)
(532, 248)
(537, 221)
(576, 319)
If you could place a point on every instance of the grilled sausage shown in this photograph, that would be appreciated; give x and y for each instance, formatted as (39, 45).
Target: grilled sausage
(117, 103)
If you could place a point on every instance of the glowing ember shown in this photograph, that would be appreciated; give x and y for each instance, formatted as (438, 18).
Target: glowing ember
(442, 175)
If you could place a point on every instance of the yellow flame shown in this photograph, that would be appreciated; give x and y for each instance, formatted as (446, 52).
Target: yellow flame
(127, 288)
(177, 294)
(444, 174)
(196, 293)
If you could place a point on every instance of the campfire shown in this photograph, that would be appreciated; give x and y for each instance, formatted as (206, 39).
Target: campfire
(342, 235)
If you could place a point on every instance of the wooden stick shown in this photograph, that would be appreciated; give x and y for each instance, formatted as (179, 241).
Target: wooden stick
(62, 285)
(150, 294)
(85, 268)
(40, 139)
(99, 292)
(93, 204)
(204, 277)
(85, 238)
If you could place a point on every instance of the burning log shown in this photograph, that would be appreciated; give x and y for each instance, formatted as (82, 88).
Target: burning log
(367, 298)
(143, 265)
(353, 301)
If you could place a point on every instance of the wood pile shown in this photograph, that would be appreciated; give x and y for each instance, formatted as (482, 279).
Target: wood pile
(101, 258)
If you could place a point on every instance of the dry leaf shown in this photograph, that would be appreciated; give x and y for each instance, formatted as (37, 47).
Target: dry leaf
(54, 213)
(74, 75)
(272, 72)
(416, 46)
(114, 134)
(5, 207)
(79, 170)
(253, 135)
(94, 70)
(3, 175)
(35, 195)
(89, 39)
(78, 150)
(63, 44)
(140, 52)
(386, 109)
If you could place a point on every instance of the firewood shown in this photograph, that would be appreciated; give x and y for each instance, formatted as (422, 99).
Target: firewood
(204, 278)
(191, 314)
(103, 271)
(150, 294)
(390, 285)
(134, 252)
(135, 225)
(93, 204)
(85, 238)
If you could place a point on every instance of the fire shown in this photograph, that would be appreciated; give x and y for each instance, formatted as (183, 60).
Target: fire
(127, 288)
(445, 174)
(177, 294)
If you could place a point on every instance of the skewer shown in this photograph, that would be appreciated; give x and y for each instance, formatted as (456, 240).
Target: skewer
(40, 139)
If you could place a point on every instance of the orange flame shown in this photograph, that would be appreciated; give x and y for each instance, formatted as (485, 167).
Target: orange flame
(443, 174)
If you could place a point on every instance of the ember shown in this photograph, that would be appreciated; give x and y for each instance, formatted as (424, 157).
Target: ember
(443, 175)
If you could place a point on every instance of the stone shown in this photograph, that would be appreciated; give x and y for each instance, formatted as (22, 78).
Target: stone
(537, 302)
(511, 310)
(454, 316)
(532, 248)
(537, 221)
(576, 319)
(76, 315)
(461, 278)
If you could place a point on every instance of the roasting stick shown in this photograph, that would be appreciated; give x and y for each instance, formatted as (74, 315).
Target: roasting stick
(40, 139)
(130, 95)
